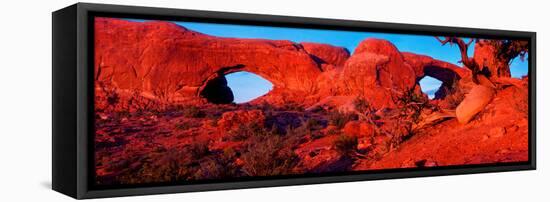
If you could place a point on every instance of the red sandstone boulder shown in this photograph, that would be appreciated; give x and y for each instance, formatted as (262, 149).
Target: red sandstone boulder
(474, 102)
(234, 119)
(376, 71)
(359, 129)
(325, 53)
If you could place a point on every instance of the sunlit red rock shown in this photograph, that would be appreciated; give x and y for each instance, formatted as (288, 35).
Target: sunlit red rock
(473, 103)
(325, 53)
(166, 62)
(161, 100)
(232, 120)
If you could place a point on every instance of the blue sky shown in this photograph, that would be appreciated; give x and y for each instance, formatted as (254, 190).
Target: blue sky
(256, 86)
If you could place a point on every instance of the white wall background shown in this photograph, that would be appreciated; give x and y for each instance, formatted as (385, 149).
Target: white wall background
(25, 99)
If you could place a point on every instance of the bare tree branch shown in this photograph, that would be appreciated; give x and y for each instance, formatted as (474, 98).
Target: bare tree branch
(463, 46)
(443, 41)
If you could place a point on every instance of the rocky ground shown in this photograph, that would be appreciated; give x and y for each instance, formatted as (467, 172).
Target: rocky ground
(214, 141)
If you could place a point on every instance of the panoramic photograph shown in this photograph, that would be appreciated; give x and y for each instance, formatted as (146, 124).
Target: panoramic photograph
(179, 101)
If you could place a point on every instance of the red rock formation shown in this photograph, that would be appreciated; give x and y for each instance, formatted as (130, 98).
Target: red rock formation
(427, 66)
(166, 62)
(450, 75)
(499, 134)
(233, 119)
(376, 71)
(328, 54)
(172, 63)
(475, 101)
(359, 129)
(141, 66)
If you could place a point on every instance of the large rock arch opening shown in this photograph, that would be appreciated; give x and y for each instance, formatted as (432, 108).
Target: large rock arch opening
(215, 89)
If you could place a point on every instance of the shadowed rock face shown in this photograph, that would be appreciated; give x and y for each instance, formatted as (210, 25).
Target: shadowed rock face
(167, 62)
(216, 91)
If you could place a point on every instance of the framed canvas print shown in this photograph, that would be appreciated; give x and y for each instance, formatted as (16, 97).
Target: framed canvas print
(155, 100)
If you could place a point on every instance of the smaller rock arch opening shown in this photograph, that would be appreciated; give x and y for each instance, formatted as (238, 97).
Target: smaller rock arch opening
(430, 86)
(519, 66)
(438, 81)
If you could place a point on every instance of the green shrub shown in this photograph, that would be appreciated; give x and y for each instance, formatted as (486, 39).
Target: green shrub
(313, 124)
(218, 167)
(363, 106)
(268, 156)
(199, 149)
(454, 95)
(158, 167)
(244, 131)
(345, 144)
(339, 119)
(184, 125)
(192, 112)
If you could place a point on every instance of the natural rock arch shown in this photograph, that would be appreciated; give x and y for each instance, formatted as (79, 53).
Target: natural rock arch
(167, 62)
(445, 72)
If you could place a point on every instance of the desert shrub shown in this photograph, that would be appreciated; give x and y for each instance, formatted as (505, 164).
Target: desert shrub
(454, 95)
(363, 106)
(139, 103)
(296, 136)
(521, 101)
(268, 156)
(339, 119)
(107, 97)
(198, 149)
(184, 125)
(121, 114)
(411, 104)
(345, 144)
(333, 131)
(158, 167)
(112, 97)
(244, 131)
(217, 167)
(241, 133)
(291, 106)
(192, 112)
(313, 124)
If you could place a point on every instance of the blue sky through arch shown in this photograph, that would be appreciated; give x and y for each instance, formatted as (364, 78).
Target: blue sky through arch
(430, 85)
(247, 86)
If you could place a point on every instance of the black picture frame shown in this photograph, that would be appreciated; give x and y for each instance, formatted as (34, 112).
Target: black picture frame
(72, 133)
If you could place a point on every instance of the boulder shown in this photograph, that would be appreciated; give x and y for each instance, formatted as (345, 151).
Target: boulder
(376, 71)
(474, 102)
(234, 119)
(325, 53)
(359, 129)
